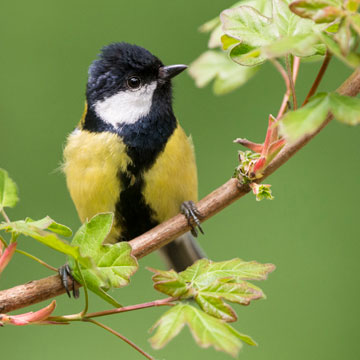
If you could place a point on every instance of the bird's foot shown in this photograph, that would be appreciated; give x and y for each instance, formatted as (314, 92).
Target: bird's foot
(192, 214)
(65, 273)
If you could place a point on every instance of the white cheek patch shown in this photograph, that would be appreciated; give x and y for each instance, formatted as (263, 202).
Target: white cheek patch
(126, 107)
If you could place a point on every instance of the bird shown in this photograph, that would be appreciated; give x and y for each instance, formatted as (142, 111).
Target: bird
(129, 155)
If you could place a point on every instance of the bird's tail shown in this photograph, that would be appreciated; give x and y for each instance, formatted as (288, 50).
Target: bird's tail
(182, 252)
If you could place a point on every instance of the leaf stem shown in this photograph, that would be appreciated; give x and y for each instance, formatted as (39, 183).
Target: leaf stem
(36, 259)
(3, 213)
(291, 80)
(122, 337)
(3, 241)
(287, 94)
(86, 307)
(283, 73)
(162, 302)
(319, 77)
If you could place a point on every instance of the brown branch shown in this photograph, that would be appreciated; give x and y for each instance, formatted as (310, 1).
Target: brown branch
(39, 290)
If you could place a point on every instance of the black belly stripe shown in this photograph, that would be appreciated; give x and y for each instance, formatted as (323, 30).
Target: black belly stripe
(132, 213)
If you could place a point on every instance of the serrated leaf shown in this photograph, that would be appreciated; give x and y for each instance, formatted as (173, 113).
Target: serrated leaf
(211, 298)
(288, 23)
(8, 190)
(345, 108)
(36, 230)
(320, 11)
(210, 283)
(168, 326)
(204, 271)
(206, 330)
(216, 307)
(214, 25)
(111, 265)
(263, 37)
(216, 65)
(169, 282)
(305, 120)
(248, 25)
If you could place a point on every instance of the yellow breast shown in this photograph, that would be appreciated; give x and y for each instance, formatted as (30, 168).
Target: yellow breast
(91, 164)
(173, 177)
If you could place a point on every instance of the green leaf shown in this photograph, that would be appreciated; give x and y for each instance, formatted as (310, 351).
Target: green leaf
(210, 283)
(8, 190)
(305, 120)
(246, 55)
(345, 108)
(302, 45)
(355, 22)
(216, 65)
(216, 307)
(52, 225)
(248, 25)
(352, 5)
(351, 59)
(169, 282)
(320, 11)
(168, 326)
(211, 298)
(287, 23)
(262, 37)
(111, 265)
(228, 42)
(262, 191)
(214, 25)
(206, 330)
(204, 271)
(37, 230)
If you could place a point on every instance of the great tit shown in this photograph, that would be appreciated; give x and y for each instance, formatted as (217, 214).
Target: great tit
(129, 155)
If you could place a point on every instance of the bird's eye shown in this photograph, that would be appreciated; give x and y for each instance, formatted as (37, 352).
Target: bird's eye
(134, 82)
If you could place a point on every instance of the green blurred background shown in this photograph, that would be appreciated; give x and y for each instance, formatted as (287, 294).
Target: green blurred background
(310, 231)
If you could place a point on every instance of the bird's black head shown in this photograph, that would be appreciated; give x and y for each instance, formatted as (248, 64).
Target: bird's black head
(121, 67)
(124, 79)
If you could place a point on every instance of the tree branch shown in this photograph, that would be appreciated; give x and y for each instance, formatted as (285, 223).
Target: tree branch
(43, 289)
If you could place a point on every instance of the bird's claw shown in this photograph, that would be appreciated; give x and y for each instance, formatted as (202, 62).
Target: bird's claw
(65, 272)
(192, 214)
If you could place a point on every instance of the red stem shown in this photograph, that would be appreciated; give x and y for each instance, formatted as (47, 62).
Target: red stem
(122, 337)
(319, 77)
(162, 302)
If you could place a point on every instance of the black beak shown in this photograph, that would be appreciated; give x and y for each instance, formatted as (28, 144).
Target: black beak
(168, 72)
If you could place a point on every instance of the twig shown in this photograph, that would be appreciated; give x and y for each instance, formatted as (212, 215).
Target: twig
(39, 290)
(36, 259)
(319, 77)
(292, 84)
(122, 337)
